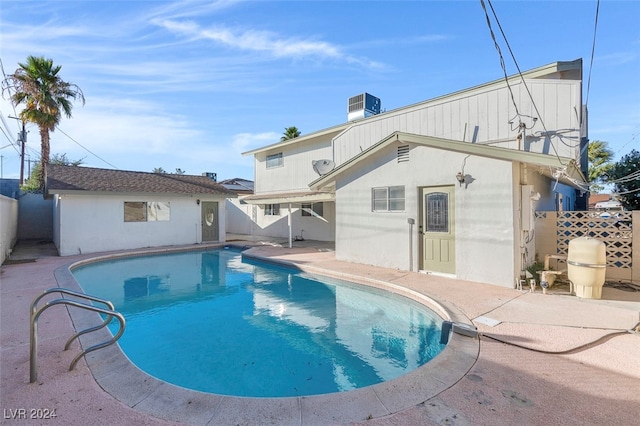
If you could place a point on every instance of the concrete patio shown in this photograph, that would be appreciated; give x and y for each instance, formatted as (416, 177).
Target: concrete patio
(567, 360)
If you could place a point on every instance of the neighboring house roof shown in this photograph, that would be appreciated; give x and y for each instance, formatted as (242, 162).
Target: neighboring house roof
(238, 185)
(550, 71)
(61, 179)
(597, 198)
(564, 169)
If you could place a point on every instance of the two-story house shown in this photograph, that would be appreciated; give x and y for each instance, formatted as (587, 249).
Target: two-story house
(447, 186)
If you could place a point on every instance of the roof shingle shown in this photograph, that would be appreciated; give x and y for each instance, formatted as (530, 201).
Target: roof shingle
(61, 178)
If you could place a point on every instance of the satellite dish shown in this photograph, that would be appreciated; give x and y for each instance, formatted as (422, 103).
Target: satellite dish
(322, 167)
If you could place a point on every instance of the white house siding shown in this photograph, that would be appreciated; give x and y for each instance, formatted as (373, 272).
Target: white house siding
(297, 170)
(240, 217)
(95, 223)
(56, 222)
(485, 222)
(481, 116)
(8, 226)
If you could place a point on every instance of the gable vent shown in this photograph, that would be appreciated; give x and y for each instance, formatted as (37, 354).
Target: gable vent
(403, 154)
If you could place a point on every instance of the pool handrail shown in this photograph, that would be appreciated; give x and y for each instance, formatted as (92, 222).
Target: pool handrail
(36, 312)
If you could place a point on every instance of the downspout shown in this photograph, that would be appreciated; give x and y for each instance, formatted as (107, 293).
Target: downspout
(290, 230)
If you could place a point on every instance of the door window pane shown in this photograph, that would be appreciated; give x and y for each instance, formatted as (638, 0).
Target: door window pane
(437, 212)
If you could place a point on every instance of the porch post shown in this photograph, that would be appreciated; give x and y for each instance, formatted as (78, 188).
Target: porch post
(290, 230)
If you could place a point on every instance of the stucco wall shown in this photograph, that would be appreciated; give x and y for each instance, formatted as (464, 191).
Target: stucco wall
(8, 225)
(240, 221)
(95, 223)
(484, 213)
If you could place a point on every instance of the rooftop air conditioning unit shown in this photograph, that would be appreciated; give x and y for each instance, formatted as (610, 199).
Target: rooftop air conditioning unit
(211, 175)
(361, 106)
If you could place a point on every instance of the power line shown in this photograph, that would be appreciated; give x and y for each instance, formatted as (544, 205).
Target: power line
(593, 49)
(518, 68)
(87, 149)
(5, 129)
(497, 46)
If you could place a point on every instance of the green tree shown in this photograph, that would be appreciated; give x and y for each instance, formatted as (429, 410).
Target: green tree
(159, 170)
(46, 96)
(600, 162)
(290, 133)
(179, 171)
(34, 181)
(625, 175)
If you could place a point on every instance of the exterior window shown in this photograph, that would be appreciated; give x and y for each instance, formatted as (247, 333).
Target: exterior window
(135, 211)
(317, 208)
(142, 211)
(272, 209)
(275, 160)
(387, 199)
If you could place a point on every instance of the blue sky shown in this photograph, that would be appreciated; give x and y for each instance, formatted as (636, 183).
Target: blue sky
(192, 84)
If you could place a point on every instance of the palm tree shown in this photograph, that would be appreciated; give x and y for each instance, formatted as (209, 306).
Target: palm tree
(290, 133)
(600, 163)
(36, 84)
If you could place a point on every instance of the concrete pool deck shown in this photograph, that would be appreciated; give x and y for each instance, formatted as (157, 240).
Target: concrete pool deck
(595, 380)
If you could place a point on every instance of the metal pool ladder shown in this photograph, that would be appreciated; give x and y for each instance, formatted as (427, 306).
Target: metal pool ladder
(109, 311)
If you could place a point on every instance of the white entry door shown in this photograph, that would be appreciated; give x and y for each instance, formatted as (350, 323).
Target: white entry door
(437, 229)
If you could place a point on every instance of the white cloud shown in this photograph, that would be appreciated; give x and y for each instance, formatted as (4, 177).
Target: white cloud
(265, 42)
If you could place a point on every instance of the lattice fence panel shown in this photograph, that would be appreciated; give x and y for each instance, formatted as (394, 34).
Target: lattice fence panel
(614, 231)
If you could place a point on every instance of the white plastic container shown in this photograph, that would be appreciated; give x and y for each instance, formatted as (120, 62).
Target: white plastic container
(587, 266)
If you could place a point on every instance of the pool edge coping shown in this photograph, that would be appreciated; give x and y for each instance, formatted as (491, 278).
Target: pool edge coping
(124, 381)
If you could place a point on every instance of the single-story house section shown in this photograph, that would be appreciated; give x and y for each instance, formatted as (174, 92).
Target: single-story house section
(416, 202)
(97, 210)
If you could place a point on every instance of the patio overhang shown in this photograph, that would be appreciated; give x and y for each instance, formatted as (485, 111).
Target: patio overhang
(306, 197)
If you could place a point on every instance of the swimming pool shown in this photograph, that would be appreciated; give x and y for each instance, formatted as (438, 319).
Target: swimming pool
(211, 321)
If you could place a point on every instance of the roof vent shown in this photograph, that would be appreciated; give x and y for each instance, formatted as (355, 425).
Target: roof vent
(403, 153)
(363, 105)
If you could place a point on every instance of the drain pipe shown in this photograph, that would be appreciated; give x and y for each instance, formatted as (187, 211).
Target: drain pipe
(290, 224)
(411, 221)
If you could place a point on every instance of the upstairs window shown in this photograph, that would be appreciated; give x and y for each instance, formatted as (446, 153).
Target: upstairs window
(275, 160)
(387, 199)
(272, 209)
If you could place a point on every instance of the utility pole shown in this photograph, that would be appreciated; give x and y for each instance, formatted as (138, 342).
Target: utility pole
(22, 138)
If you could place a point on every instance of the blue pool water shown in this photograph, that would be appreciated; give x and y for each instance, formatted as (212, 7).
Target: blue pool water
(215, 322)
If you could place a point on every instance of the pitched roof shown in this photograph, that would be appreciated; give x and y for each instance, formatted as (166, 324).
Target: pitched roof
(571, 174)
(65, 179)
(554, 70)
(238, 185)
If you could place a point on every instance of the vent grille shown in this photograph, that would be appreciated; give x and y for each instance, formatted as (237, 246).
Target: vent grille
(403, 154)
(356, 103)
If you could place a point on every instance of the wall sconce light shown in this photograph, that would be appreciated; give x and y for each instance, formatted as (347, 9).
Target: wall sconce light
(198, 201)
(460, 178)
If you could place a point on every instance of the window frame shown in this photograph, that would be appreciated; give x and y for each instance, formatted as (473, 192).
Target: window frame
(146, 211)
(383, 201)
(272, 209)
(317, 208)
(274, 161)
